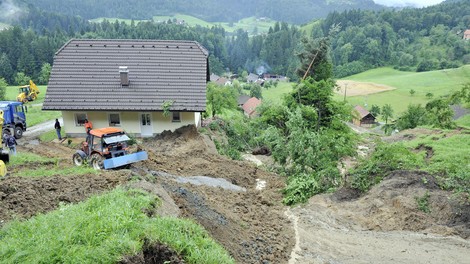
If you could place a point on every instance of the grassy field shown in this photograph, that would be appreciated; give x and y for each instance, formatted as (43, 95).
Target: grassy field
(438, 83)
(34, 114)
(250, 24)
(275, 94)
(103, 229)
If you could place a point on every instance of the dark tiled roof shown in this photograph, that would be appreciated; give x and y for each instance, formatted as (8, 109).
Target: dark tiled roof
(85, 76)
(242, 99)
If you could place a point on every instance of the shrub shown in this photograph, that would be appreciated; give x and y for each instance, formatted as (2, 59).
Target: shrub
(386, 158)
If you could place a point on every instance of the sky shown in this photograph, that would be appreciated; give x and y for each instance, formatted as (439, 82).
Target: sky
(416, 3)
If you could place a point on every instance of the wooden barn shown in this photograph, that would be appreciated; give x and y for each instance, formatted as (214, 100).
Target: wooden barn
(362, 117)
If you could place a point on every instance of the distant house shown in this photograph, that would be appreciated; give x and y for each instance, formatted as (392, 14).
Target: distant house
(249, 107)
(223, 81)
(251, 78)
(242, 99)
(128, 84)
(466, 34)
(362, 117)
(214, 77)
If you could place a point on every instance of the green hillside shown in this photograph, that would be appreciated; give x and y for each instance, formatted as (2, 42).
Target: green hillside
(252, 25)
(438, 83)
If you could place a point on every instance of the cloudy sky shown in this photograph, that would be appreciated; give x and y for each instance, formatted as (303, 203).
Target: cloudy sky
(417, 3)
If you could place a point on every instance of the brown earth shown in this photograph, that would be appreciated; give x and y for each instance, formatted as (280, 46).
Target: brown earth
(250, 224)
(383, 226)
(354, 88)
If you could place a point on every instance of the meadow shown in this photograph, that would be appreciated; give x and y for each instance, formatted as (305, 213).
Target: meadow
(437, 83)
(250, 24)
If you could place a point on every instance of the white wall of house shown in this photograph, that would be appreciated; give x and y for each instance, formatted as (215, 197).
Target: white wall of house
(129, 121)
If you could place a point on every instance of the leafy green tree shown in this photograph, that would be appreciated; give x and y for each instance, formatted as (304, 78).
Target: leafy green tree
(255, 91)
(440, 114)
(220, 97)
(387, 112)
(22, 79)
(375, 110)
(3, 87)
(429, 95)
(414, 116)
(6, 71)
(412, 92)
(45, 73)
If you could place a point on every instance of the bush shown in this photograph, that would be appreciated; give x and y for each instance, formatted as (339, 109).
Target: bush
(386, 158)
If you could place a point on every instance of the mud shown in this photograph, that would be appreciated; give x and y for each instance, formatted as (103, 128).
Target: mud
(385, 225)
(239, 204)
(192, 181)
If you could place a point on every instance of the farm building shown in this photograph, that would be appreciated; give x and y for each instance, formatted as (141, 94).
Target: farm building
(129, 84)
(362, 117)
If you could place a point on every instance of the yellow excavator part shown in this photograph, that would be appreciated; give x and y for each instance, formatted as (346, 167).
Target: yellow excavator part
(4, 156)
(3, 168)
(27, 92)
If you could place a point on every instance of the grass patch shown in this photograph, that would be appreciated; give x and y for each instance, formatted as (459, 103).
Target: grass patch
(423, 202)
(103, 230)
(450, 160)
(23, 158)
(50, 135)
(439, 83)
(276, 94)
(386, 158)
(56, 171)
(464, 121)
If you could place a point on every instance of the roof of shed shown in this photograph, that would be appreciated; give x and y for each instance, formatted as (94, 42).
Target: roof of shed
(85, 76)
(362, 111)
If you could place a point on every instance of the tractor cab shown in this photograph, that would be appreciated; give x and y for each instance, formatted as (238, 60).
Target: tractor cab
(107, 148)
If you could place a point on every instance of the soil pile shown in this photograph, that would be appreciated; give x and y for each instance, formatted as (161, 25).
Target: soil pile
(385, 225)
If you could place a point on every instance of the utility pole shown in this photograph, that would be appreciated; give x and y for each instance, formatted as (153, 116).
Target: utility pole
(345, 88)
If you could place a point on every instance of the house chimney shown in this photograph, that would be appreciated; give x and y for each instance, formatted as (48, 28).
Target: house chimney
(124, 73)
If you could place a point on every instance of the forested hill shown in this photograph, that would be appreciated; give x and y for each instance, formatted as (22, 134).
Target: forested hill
(292, 11)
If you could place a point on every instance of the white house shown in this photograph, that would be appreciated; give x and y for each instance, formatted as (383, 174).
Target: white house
(129, 84)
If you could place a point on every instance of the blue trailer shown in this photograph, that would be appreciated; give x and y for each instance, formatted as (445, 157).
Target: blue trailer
(14, 117)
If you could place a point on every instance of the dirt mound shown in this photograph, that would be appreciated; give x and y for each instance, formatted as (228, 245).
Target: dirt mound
(155, 253)
(250, 224)
(385, 225)
(394, 205)
(22, 197)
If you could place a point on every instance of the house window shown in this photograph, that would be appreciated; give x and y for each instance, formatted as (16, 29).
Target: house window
(80, 119)
(175, 117)
(114, 119)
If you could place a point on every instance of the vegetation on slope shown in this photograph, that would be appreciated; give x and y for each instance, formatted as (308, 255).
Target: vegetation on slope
(104, 229)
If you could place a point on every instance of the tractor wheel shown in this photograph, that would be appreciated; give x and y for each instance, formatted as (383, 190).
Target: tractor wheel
(96, 161)
(77, 159)
(18, 132)
(33, 97)
(25, 100)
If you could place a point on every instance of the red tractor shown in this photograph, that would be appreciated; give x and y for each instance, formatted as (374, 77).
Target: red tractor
(107, 148)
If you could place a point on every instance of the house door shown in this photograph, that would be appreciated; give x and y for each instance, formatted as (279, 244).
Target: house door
(146, 125)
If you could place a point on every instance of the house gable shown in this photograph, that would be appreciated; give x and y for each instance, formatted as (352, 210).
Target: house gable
(85, 76)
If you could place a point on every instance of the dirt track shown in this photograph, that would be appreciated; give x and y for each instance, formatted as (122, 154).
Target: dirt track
(384, 226)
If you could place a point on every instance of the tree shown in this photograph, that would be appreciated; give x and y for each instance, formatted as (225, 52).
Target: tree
(22, 79)
(387, 112)
(375, 110)
(220, 97)
(255, 91)
(429, 95)
(3, 87)
(6, 71)
(412, 92)
(414, 116)
(44, 74)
